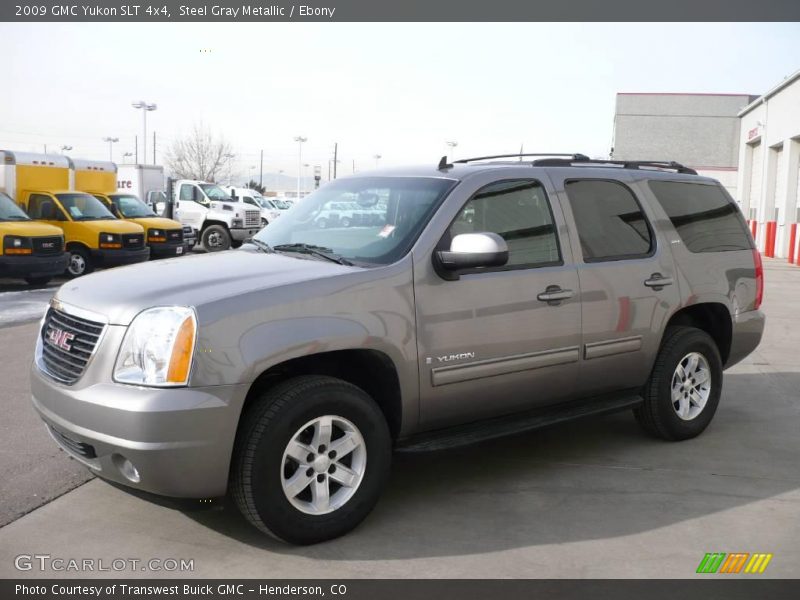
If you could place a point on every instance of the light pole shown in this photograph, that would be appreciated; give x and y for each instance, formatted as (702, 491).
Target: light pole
(146, 107)
(452, 146)
(111, 141)
(65, 149)
(126, 155)
(377, 157)
(299, 139)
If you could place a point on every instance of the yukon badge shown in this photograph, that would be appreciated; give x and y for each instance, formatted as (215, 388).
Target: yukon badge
(451, 357)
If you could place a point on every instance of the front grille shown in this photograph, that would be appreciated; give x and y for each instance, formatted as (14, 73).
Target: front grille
(48, 245)
(79, 448)
(67, 345)
(175, 235)
(252, 218)
(133, 241)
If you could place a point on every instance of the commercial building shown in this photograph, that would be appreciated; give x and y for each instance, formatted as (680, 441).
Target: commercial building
(698, 130)
(769, 164)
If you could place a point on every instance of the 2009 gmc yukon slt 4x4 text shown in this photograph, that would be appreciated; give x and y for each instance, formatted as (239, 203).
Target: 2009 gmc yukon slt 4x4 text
(490, 297)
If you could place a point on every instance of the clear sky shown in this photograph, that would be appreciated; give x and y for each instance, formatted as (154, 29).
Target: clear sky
(398, 90)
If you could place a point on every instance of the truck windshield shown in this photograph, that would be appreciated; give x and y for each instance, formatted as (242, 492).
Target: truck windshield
(10, 211)
(280, 204)
(214, 192)
(366, 220)
(131, 207)
(84, 207)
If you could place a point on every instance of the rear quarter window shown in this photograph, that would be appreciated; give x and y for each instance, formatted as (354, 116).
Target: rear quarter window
(706, 219)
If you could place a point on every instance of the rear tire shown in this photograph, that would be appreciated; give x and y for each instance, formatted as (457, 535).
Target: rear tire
(283, 493)
(38, 281)
(216, 238)
(683, 391)
(80, 262)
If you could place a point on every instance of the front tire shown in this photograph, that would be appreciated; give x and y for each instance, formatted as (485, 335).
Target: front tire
(683, 391)
(80, 262)
(312, 456)
(216, 238)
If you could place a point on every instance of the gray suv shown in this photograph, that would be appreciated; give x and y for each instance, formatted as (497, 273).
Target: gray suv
(491, 296)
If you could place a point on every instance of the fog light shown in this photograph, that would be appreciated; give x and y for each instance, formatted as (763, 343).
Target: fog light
(127, 469)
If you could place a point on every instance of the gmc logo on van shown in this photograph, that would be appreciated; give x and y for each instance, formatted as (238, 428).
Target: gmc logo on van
(48, 245)
(60, 338)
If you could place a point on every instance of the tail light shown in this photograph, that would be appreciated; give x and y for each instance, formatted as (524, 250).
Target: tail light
(759, 278)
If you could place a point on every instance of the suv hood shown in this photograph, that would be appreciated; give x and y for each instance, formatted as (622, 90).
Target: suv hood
(121, 293)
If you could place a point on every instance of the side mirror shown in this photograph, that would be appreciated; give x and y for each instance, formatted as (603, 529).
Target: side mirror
(474, 250)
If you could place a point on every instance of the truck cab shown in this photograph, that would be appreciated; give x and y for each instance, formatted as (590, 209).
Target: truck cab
(94, 236)
(211, 211)
(28, 250)
(163, 236)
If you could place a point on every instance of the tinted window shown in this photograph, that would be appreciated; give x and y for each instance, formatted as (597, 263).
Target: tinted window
(518, 211)
(705, 218)
(610, 222)
(44, 208)
(186, 192)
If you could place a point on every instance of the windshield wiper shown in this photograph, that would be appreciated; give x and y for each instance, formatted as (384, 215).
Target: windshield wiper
(263, 246)
(15, 218)
(313, 250)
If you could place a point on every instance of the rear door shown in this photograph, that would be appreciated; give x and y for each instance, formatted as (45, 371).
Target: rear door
(627, 279)
(491, 342)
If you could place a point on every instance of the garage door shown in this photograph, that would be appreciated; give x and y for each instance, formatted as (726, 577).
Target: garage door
(797, 194)
(755, 182)
(780, 182)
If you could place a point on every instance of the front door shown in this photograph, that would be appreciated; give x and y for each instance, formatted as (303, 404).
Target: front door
(188, 211)
(627, 281)
(500, 340)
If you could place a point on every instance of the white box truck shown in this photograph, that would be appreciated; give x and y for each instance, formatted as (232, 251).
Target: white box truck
(144, 181)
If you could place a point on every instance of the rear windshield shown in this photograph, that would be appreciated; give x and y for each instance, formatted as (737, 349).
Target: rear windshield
(704, 216)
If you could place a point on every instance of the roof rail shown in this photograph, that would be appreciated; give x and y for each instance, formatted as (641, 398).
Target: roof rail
(572, 157)
(623, 164)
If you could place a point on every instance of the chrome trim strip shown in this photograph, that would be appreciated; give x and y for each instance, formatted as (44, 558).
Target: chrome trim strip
(611, 347)
(505, 365)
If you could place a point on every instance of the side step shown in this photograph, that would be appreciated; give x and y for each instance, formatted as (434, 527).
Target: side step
(480, 431)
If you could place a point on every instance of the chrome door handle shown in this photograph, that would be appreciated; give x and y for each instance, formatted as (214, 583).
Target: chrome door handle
(554, 295)
(657, 281)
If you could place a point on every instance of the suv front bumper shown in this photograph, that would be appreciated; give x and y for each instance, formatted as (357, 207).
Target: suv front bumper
(179, 440)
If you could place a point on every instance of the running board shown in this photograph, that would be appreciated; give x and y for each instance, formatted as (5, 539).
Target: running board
(480, 431)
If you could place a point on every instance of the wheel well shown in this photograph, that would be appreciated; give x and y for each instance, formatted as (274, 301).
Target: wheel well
(713, 318)
(371, 370)
(207, 224)
(71, 245)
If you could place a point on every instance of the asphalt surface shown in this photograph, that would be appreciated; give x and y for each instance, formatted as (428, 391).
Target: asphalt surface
(594, 498)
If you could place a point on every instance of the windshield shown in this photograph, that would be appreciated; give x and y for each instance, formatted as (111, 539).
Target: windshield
(329, 218)
(280, 203)
(131, 207)
(214, 192)
(84, 207)
(10, 211)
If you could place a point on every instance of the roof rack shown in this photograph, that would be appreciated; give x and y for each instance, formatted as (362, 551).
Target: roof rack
(577, 159)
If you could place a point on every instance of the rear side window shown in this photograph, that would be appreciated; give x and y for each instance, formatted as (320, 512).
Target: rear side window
(703, 215)
(610, 222)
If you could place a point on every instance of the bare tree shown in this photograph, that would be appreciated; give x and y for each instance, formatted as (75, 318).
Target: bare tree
(199, 155)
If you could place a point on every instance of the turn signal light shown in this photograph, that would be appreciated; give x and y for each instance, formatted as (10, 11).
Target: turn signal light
(18, 251)
(181, 358)
(112, 246)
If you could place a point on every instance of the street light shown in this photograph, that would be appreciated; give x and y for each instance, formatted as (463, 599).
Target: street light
(111, 141)
(65, 149)
(126, 155)
(452, 146)
(299, 139)
(146, 107)
(377, 157)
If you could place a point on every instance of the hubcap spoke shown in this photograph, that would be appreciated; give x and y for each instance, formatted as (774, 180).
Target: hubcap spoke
(299, 452)
(297, 483)
(344, 445)
(701, 377)
(323, 429)
(344, 475)
(320, 495)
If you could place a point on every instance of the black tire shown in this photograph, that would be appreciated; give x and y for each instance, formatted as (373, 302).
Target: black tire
(38, 281)
(216, 238)
(657, 415)
(236, 243)
(265, 430)
(80, 262)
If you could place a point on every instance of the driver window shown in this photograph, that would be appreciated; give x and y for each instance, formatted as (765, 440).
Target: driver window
(519, 212)
(186, 192)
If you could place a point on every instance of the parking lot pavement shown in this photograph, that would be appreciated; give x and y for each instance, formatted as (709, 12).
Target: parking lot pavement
(594, 498)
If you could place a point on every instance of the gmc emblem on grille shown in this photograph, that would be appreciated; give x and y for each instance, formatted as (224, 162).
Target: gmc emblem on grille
(60, 338)
(48, 244)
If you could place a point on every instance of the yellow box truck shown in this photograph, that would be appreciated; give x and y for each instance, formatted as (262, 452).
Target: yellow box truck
(163, 236)
(43, 185)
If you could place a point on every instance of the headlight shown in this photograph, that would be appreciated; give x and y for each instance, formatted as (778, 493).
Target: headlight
(110, 240)
(158, 347)
(237, 223)
(156, 235)
(13, 244)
